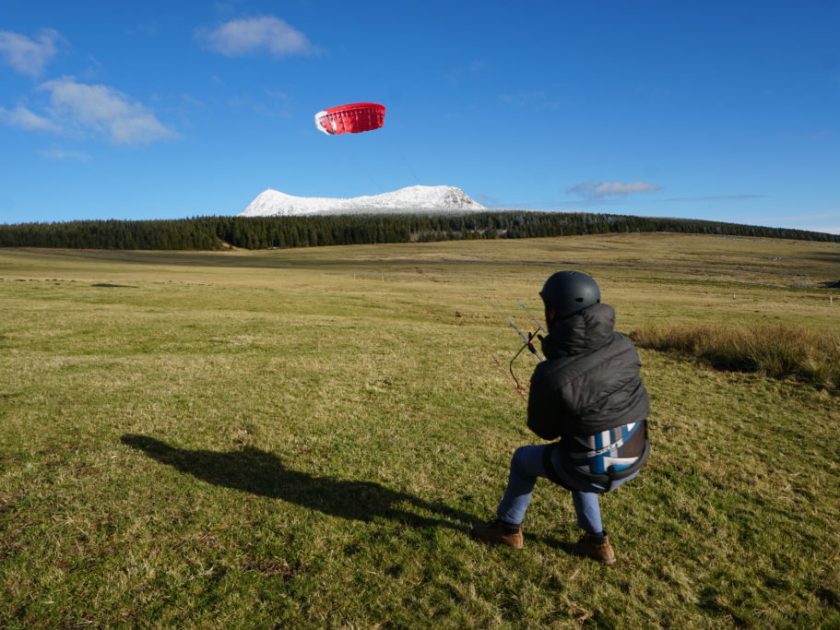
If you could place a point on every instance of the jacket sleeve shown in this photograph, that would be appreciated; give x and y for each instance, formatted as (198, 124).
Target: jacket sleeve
(545, 410)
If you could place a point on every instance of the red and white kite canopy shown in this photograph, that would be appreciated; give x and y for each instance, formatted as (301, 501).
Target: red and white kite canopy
(353, 118)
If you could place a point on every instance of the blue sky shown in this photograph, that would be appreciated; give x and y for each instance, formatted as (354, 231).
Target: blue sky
(716, 110)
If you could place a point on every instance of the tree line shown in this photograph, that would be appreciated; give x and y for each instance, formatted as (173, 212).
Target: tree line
(219, 232)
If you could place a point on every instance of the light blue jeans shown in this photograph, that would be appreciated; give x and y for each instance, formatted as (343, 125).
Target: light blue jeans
(526, 466)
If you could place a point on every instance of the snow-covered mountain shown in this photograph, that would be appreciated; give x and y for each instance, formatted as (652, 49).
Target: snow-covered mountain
(271, 203)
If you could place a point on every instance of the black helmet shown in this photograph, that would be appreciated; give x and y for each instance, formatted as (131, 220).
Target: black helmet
(569, 292)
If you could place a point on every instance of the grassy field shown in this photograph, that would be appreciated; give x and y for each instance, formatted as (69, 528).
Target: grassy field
(303, 438)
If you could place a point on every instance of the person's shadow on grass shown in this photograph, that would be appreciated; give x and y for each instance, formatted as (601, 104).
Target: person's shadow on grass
(264, 474)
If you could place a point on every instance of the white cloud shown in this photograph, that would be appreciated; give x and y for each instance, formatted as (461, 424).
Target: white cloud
(600, 190)
(24, 118)
(105, 110)
(26, 55)
(259, 34)
(61, 154)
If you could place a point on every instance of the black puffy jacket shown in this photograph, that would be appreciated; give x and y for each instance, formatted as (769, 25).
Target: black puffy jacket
(590, 380)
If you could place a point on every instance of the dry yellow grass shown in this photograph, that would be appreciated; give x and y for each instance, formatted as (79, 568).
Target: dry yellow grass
(778, 350)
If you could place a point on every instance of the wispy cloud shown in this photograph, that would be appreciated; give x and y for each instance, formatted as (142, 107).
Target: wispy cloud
(104, 110)
(147, 29)
(265, 34)
(24, 118)
(272, 103)
(456, 74)
(29, 55)
(63, 155)
(815, 134)
(602, 190)
(715, 198)
(534, 100)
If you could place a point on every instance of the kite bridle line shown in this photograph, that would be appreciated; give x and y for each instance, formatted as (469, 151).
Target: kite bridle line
(531, 316)
(527, 342)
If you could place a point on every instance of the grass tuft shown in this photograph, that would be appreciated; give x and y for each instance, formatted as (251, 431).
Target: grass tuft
(779, 350)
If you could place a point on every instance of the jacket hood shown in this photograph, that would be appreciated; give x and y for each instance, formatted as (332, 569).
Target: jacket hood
(584, 331)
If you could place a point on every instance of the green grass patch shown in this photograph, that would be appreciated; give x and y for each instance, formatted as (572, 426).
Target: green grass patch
(303, 438)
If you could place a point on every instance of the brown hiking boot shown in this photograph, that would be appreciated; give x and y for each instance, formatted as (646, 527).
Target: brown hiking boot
(498, 533)
(596, 547)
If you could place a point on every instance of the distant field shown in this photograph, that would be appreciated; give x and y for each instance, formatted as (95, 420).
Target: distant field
(304, 438)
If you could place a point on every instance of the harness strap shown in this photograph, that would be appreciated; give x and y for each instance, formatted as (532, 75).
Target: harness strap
(617, 444)
(607, 480)
(614, 474)
(548, 465)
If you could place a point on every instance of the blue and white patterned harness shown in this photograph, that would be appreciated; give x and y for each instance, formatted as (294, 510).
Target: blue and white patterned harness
(604, 450)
